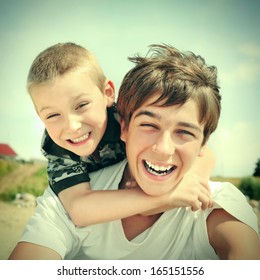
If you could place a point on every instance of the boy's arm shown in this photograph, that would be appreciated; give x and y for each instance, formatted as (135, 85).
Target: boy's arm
(203, 165)
(86, 207)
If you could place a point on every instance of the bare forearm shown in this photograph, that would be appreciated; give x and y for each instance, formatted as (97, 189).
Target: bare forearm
(203, 166)
(102, 206)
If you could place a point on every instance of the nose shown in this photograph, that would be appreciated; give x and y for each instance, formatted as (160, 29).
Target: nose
(164, 144)
(72, 123)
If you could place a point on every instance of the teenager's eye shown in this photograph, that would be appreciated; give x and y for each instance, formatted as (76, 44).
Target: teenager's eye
(149, 125)
(81, 105)
(185, 132)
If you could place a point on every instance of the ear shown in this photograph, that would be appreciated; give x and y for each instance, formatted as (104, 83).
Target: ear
(109, 92)
(202, 151)
(123, 129)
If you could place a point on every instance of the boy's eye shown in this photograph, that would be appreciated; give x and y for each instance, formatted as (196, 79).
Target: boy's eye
(81, 105)
(52, 116)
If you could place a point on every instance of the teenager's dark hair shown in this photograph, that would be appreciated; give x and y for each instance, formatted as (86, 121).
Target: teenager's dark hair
(177, 77)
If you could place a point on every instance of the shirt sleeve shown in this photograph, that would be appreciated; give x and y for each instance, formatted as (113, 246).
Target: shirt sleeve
(230, 198)
(64, 168)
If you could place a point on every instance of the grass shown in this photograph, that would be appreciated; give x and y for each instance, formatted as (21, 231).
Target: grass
(7, 167)
(34, 184)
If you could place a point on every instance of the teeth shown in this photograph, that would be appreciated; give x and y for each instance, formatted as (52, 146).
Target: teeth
(158, 167)
(158, 170)
(80, 139)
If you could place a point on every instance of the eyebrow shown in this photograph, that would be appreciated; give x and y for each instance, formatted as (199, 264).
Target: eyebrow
(157, 116)
(44, 108)
(75, 100)
(149, 114)
(189, 125)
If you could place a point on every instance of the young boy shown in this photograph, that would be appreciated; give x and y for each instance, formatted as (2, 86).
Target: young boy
(170, 104)
(75, 101)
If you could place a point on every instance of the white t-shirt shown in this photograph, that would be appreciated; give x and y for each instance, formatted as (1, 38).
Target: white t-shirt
(178, 234)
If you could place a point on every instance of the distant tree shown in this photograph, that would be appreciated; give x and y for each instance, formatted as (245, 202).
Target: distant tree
(257, 169)
(246, 186)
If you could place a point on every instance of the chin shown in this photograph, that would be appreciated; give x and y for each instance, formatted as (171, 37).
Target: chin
(154, 190)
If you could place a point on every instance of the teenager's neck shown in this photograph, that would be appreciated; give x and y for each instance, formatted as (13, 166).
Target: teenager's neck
(127, 181)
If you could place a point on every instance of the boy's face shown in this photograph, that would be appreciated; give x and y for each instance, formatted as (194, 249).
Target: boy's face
(73, 110)
(162, 144)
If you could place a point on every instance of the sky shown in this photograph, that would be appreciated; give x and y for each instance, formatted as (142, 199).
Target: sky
(225, 33)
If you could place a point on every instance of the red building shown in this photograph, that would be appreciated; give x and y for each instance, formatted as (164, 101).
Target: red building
(7, 152)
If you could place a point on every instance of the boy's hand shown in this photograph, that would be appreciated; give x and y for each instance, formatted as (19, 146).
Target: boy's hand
(192, 192)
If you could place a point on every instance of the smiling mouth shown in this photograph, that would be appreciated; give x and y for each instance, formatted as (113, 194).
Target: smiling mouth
(80, 139)
(158, 170)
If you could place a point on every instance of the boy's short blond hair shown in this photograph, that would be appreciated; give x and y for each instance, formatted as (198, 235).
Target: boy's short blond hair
(60, 59)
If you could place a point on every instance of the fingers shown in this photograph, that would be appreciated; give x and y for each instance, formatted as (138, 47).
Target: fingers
(204, 196)
(205, 199)
(196, 191)
(196, 207)
(202, 201)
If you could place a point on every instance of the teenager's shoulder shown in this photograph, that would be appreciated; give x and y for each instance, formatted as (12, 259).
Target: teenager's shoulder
(108, 177)
(228, 197)
(225, 189)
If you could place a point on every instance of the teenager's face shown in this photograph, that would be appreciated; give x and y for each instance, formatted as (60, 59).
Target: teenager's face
(73, 110)
(162, 144)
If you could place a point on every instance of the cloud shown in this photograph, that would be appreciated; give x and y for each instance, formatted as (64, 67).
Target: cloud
(237, 148)
(247, 69)
(250, 50)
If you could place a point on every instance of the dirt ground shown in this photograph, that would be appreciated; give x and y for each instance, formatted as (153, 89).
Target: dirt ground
(12, 222)
(12, 218)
